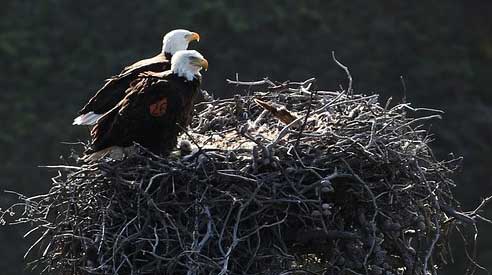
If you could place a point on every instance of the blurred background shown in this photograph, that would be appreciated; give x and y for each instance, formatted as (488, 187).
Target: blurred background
(55, 54)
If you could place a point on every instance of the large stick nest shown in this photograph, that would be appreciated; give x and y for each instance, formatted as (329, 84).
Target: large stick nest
(348, 187)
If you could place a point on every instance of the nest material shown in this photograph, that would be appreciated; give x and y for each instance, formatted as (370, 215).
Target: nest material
(348, 187)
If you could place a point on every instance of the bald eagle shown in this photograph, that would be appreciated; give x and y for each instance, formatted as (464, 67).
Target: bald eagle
(114, 89)
(155, 108)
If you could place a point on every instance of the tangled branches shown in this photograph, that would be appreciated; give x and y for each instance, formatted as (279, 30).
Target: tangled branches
(347, 186)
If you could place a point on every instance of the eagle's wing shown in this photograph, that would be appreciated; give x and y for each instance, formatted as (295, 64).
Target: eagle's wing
(115, 87)
(129, 120)
(148, 64)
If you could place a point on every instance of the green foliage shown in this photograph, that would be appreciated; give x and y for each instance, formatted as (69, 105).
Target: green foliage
(54, 54)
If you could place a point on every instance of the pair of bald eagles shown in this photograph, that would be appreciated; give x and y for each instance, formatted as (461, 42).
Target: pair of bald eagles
(150, 102)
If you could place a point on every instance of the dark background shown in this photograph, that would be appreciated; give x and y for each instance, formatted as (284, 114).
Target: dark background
(54, 54)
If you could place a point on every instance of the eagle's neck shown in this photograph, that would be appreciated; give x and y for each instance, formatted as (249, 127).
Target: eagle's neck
(171, 46)
(189, 76)
(187, 71)
(168, 55)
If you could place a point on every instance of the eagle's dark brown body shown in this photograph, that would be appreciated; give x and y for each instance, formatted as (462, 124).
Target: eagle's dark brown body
(152, 113)
(114, 89)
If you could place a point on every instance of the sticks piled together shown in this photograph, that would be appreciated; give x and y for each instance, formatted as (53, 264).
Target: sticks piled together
(346, 187)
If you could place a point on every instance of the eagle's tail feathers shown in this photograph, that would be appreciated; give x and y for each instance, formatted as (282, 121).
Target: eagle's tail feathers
(86, 119)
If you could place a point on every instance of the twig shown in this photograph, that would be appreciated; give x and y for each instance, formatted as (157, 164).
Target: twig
(349, 76)
(303, 126)
(265, 81)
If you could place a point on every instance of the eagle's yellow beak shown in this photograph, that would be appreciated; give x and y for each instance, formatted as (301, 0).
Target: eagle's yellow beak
(200, 62)
(192, 36)
(204, 64)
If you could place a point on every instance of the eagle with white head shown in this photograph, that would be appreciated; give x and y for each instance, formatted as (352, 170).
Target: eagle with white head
(155, 109)
(114, 89)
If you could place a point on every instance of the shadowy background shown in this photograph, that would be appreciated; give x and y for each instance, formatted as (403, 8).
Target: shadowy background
(54, 55)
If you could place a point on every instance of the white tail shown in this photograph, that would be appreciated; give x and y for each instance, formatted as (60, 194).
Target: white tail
(86, 119)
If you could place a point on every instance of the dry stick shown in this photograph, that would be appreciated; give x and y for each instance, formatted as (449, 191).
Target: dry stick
(263, 226)
(118, 237)
(282, 133)
(297, 272)
(475, 240)
(235, 238)
(406, 106)
(349, 76)
(251, 83)
(436, 205)
(373, 219)
(322, 109)
(235, 241)
(482, 205)
(470, 258)
(46, 232)
(209, 229)
(303, 126)
(196, 246)
(304, 83)
(255, 123)
(373, 130)
(404, 99)
(67, 167)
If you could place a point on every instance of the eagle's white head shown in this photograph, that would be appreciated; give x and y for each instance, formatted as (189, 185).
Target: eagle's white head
(178, 40)
(188, 64)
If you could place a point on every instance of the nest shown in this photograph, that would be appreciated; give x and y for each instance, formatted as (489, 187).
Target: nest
(348, 186)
